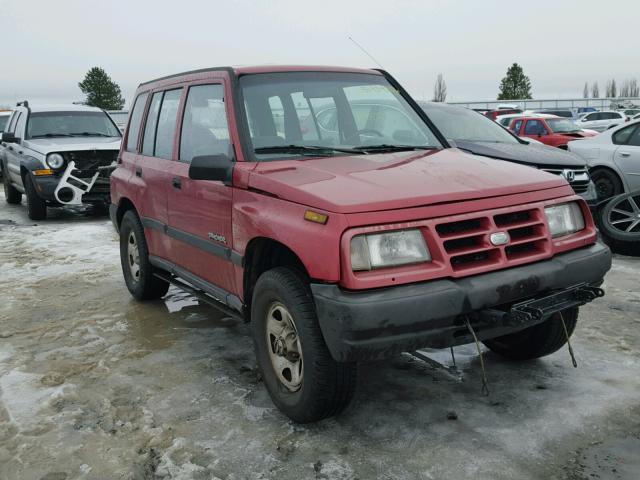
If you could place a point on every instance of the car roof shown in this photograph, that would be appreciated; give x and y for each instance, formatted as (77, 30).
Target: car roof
(71, 107)
(245, 70)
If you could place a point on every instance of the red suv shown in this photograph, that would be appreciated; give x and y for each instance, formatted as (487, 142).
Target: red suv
(555, 132)
(342, 241)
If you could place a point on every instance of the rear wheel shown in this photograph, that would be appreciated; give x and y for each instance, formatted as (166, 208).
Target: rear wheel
(134, 257)
(607, 183)
(302, 378)
(537, 341)
(11, 194)
(36, 206)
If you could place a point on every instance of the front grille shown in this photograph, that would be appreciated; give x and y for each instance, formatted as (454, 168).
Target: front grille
(581, 178)
(88, 161)
(467, 243)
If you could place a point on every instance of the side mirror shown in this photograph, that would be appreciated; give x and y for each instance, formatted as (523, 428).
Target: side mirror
(9, 137)
(212, 167)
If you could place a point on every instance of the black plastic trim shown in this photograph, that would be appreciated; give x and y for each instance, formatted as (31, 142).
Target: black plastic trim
(215, 249)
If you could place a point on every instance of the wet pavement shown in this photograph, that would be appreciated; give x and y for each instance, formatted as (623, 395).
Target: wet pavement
(94, 385)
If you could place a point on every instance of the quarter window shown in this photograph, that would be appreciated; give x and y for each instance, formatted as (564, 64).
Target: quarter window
(204, 126)
(167, 122)
(635, 138)
(134, 123)
(621, 137)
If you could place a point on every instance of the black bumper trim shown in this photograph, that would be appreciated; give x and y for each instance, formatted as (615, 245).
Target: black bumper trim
(379, 323)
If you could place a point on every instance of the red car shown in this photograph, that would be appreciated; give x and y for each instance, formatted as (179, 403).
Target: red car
(363, 236)
(555, 132)
(493, 114)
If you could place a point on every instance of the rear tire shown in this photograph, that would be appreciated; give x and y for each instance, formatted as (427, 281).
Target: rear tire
(134, 258)
(613, 220)
(11, 195)
(302, 378)
(537, 341)
(607, 182)
(36, 206)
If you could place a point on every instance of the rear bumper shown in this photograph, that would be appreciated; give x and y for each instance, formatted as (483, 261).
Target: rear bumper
(379, 323)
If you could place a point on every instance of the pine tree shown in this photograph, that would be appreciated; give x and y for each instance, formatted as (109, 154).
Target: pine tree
(612, 90)
(101, 91)
(440, 90)
(515, 85)
(595, 90)
(585, 90)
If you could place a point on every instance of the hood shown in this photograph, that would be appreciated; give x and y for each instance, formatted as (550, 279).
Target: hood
(365, 183)
(532, 154)
(69, 144)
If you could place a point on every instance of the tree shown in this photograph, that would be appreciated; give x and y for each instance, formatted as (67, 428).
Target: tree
(440, 90)
(101, 91)
(585, 90)
(515, 85)
(611, 90)
(624, 88)
(595, 90)
(634, 88)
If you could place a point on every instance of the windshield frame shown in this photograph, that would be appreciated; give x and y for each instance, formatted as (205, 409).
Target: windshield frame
(242, 118)
(28, 136)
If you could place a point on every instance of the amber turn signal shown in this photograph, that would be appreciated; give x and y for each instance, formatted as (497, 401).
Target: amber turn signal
(43, 172)
(316, 217)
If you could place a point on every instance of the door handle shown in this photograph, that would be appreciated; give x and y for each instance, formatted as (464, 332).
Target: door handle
(625, 154)
(138, 172)
(176, 182)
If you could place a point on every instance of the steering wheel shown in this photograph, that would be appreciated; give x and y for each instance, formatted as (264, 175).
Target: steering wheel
(370, 131)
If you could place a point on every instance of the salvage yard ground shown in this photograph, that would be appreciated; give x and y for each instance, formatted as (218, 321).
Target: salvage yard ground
(94, 385)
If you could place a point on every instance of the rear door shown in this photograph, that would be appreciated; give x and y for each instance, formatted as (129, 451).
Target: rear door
(200, 210)
(627, 155)
(153, 168)
(11, 153)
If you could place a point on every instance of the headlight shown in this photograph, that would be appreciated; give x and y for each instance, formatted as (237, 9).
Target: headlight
(377, 250)
(564, 219)
(55, 160)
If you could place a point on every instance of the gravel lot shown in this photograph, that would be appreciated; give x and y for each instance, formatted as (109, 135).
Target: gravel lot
(94, 385)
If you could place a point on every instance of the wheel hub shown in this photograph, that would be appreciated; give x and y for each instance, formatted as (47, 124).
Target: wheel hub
(283, 345)
(133, 257)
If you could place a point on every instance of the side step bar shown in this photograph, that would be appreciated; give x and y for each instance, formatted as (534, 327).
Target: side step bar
(199, 294)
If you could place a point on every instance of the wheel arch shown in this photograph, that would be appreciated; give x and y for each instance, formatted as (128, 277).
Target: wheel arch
(124, 205)
(600, 167)
(262, 254)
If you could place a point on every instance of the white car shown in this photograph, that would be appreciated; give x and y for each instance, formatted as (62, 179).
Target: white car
(613, 159)
(601, 121)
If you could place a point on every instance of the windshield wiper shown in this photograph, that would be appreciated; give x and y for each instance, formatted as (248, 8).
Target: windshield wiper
(305, 150)
(51, 135)
(392, 148)
(88, 134)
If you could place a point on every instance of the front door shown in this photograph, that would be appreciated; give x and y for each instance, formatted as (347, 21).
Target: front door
(200, 210)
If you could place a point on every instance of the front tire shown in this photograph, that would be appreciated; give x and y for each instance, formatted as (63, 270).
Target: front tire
(302, 378)
(538, 341)
(607, 183)
(134, 258)
(36, 206)
(11, 195)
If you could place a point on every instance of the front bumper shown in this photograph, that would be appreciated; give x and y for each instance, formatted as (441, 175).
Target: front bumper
(379, 323)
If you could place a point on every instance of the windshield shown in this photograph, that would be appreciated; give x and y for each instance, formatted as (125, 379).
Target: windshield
(71, 124)
(561, 125)
(326, 113)
(4, 118)
(462, 124)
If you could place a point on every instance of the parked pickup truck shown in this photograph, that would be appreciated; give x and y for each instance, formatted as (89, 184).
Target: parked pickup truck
(555, 132)
(357, 244)
(58, 156)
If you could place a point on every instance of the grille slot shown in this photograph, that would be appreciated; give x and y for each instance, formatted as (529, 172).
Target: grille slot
(581, 178)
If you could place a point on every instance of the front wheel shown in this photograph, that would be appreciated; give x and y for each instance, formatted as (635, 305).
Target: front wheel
(134, 257)
(302, 378)
(36, 206)
(537, 341)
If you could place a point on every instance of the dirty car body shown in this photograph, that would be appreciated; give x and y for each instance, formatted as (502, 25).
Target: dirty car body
(390, 239)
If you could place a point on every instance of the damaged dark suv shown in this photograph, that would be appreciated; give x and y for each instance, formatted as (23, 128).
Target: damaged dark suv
(58, 156)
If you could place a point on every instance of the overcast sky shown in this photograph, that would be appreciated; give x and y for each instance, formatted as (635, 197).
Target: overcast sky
(48, 45)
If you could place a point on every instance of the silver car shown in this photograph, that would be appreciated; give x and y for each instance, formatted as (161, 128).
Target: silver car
(601, 121)
(613, 158)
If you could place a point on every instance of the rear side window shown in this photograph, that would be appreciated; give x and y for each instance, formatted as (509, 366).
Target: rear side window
(621, 137)
(167, 121)
(148, 141)
(635, 138)
(204, 126)
(134, 124)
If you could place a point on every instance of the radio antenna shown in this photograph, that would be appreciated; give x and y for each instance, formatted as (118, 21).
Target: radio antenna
(365, 52)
